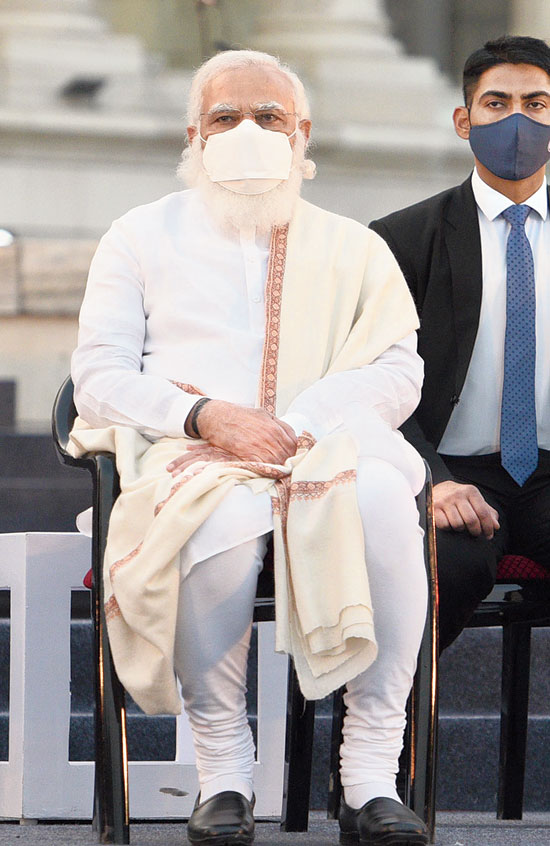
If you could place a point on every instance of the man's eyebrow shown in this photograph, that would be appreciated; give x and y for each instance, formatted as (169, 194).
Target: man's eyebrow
(231, 107)
(503, 95)
(222, 107)
(534, 94)
(272, 104)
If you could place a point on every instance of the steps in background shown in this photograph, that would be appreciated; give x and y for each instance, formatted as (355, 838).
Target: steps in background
(38, 494)
(469, 722)
(469, 719)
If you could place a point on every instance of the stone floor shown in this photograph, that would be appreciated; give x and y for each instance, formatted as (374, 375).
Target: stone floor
(453, 829)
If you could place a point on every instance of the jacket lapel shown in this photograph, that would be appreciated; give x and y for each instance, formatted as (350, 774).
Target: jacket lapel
(462, 238)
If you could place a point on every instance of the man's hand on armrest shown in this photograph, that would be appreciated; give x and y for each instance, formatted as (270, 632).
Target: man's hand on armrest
(250, 434)
(458, 506)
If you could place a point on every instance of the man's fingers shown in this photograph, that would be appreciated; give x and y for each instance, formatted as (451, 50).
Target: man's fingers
(464, 508)
(286, 427)
(247, 432)
(270, 446)
(199, 452)
(460, 516)
(250, 434)
(192, 454)
(455, 518)
(208, 452)
(441, 521)
(184, 462)
(175, 463)
(289, 439)
(488, 522)
(276, 436)
(470, 518)
(488, 517)
(479, 516)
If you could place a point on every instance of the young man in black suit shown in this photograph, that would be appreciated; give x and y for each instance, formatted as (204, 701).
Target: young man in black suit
(480, 275)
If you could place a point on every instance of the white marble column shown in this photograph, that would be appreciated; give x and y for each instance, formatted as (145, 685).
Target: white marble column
(357, 73)
(45, 45)
(305, 31)
(44, 15)
(76, 157)
(9, 273)
(530, 17)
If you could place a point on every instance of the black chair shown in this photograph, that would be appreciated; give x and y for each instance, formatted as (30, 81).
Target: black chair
(420, 747)
(524, 603)
(111, 811)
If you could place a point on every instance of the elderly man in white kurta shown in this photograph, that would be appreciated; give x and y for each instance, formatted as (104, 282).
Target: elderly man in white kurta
(250, 357)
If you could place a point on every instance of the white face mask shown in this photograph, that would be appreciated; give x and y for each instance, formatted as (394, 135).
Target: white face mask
(248, 159)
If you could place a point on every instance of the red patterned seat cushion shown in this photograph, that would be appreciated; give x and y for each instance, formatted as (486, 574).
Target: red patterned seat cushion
(516, 567)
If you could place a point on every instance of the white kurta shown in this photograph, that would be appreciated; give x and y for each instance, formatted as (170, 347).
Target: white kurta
(186, 303)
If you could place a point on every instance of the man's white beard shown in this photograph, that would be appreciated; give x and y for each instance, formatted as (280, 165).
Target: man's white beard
(238, 211)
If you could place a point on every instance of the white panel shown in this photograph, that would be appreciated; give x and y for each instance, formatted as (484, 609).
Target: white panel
(12, 577)
(40, 570)
(272, 684)
(55, 564)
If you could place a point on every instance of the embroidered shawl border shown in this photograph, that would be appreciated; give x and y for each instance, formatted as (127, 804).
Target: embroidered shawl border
(273, 301)
(112, 608)
(189, 389)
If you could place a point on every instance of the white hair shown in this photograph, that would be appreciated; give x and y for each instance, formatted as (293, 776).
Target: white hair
(237, 59)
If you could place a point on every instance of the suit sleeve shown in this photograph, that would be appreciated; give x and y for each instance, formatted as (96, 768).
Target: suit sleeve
(411, 428)
(415, 436)
(407, 269)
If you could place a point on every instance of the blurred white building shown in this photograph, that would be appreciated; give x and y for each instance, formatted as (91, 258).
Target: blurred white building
(92, 97)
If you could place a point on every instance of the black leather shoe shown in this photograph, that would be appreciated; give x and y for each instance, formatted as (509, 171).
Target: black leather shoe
(381, 822)
(223, 820)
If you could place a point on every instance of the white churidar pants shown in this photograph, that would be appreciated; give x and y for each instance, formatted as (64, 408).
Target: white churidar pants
(213, 632)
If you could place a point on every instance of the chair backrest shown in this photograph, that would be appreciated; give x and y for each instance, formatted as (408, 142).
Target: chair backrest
(63, 417)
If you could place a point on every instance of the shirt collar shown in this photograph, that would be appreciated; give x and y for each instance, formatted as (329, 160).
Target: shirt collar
(492, 203)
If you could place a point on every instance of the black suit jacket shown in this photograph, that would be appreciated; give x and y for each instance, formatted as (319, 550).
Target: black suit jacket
(438, 247)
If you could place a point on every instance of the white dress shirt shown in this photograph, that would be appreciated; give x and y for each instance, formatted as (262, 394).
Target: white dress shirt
(474, 426)
(169, 297)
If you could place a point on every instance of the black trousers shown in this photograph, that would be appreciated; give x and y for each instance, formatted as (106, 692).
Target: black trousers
(467, 565)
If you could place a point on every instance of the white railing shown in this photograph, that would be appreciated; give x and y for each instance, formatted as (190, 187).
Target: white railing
(38, 781)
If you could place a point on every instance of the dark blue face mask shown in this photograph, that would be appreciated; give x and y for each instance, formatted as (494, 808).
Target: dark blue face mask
(512, 148)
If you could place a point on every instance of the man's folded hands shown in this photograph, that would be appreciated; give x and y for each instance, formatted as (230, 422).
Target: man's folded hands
(237, 433)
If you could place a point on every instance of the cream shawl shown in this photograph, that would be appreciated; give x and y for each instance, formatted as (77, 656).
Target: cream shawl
(335, 300)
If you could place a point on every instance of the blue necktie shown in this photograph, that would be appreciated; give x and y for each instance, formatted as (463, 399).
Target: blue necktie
(518, 428)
